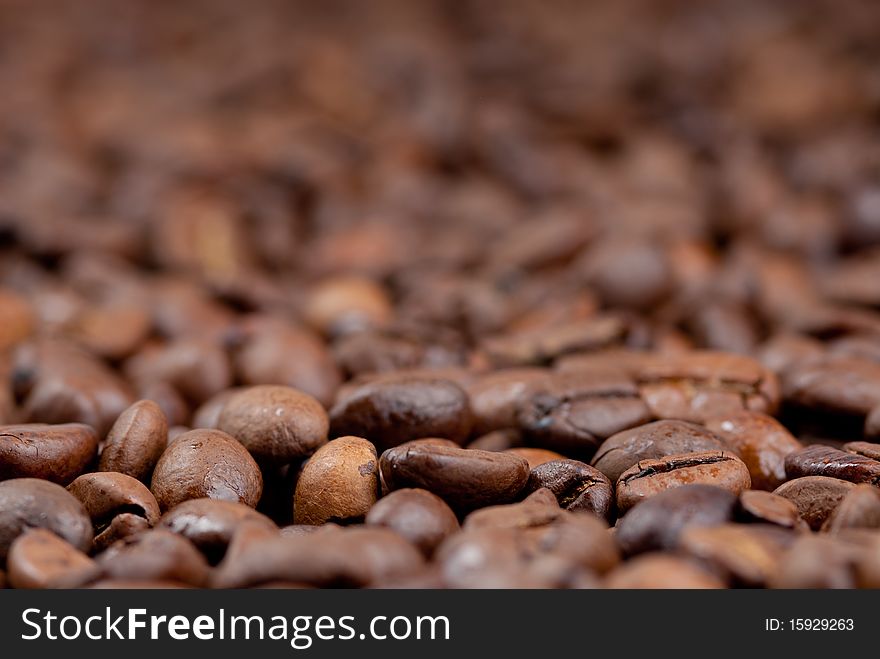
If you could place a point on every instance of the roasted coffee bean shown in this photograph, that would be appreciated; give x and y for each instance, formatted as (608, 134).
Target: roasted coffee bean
(866, 449)
(658, 522)
(18, 319)
(649, 477)
(496, 397)
(760, 441)
(523, 515)
(816, 497)
(32, 503)
(845, 385)
(499, 440)
(106, 495)
(276, 424)
(769, 508)
(339, 483)
(534, 456)
(348, 304)
(40, 559)
(574, 411)
(54, 453)
(749, 555)
(651, 571)
(577, 486)
(346, 557)
(817, 561)
(206, 463)
(121, 526)
(820, 460)
(464, 478)
(872, 423)
(210, 524)
(859, 509)
(398, 408)
(136, 441)
(207, 415)
(155, 555)
(175, 409)
(419, 516)
(653, 440)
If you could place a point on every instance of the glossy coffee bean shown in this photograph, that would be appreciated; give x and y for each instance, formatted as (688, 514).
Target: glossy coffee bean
(210, 524)
(859, 509)
(136, 441)
(653, 440)
(206, 463)
(760, 441)
(57, 453)
(652, 571)
(155, 555)
(339, 483)
(816, 497)
(27, 503)
(277, 425)
(464, 478)
(399, 408)
(658, 522)
(419, 516)
(768, 508)
(818, 460)
(577, 486)
(40, 559)
(649, 477)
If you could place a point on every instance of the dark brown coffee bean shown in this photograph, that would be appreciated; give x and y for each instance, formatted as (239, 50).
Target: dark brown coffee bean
(816, 497)
(276, 424)
(419, 516)
(749, 555)
(464, 478)
(344, 557)
(136, 441)
(576, 486)
(107, 494)
(574, 411)
(657, 523)
(206, 463)
(534, 456)
(859, 509)
(399, 408)
(339, 483)
(769, 508)
(210, 523)
(120, 527)
(649, 477)
(866, 449)
(652, 571)
(818, 460)
(40, 559)
(499, 440)
(496, 397)
(55, 453)
(155, 555)
(845, 385)
(27, 503)
(760, 441)
(653, 440)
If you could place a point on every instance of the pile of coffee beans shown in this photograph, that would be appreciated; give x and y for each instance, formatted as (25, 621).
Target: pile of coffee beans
(440, 294)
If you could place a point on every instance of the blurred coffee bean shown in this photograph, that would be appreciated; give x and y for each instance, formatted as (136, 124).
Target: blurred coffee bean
(419, 516)
(816, 497)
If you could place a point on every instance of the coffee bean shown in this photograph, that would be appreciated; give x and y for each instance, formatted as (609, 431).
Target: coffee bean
(32, 503)
(653, 571)
(40, 559)
(658, 522)
(208, 413)
(653, 440)
(816, 497)
(574, 411)
(339, 483)
(18, 319)
(107, 495)
(154, 555)
(496, 396)
(399, 408)
(206, 463)
(210, 524)
(866, 449)
(499, 440)
(817, 561)
(523, 515)
(464, 478)
(55, 453)
(760, 441)
(872, 423)
(347, 304)
(576, 485)
(419, 516)
(534, 456)
(136, 441)
(121, 526)
(820, 460)
(769, 508)
(649, 477)
(860, 508)
(276, 424)
(844, 385)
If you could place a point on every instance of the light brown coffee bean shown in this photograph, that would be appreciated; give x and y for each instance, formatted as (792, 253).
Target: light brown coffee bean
(769, 508)
(866, 449)
(136, 441)
(339, 483)
(55, 453)
(816, 497)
